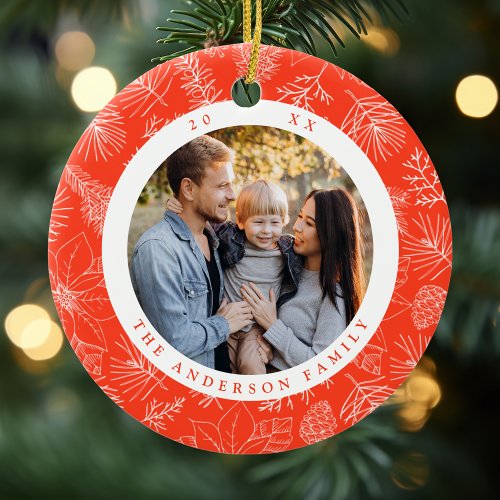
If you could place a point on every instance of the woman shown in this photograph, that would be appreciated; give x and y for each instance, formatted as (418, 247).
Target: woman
(331, 286)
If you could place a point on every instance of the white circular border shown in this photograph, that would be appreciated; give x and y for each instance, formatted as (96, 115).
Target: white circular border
(384, 232)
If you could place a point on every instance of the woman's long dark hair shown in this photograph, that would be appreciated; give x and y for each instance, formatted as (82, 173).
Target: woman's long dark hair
(338, 226)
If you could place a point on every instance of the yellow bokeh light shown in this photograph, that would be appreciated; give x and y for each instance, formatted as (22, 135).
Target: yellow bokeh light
(20, 318)
(50, 347)
(476, 96)
(423, 389)
(74, 50)
(92, 88)
(383, 40)
(35, 334)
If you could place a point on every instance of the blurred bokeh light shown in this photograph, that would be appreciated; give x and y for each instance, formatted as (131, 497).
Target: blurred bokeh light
(92, 88)
(74, 50)
(49, 348)
(384, 40)
(477, 96)
(28, 325)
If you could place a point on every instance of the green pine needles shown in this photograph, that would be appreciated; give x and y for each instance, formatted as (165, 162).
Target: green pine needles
(294, 24)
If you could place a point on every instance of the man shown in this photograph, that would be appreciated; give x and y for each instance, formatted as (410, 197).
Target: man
(176, 271)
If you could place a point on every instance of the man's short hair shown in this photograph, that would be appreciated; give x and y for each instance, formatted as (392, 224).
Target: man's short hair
(193, 158)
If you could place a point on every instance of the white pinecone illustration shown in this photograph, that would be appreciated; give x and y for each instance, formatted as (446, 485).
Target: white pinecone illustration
(427, 306)
(318, 423)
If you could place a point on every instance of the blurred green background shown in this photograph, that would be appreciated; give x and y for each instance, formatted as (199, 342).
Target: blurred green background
(61, 437)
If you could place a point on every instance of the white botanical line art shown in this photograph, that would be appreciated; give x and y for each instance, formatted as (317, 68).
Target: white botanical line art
(427, 306)
(216, 51)
(205, 399)
(152, 126)
(198, 81)
(156, 412)
(104, 135)
(424, 180)
(126, 163)
(401, 368)
(80, 296)
(402, 276)
(112, 393)
(403, 305)
(94, 196)
(276, 404)
(400, 201)
(90, 354)
(59, 217)
(374, 125)
(304, 90)
(136, 373)
(268, 61)
(318, 423)
(363, 399)
(431, 250)
(298, 57)
(343, 73)
(237, 432)
(147, 90)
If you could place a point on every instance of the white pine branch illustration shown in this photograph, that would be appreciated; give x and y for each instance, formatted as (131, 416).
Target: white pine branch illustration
(136, 374)
(343, 73)
(268, 61)
(205, 399)
(60, 215)
(423, 179)
(152, 126)
(198, 81)
(374, 125)
(110, 391)
(156, 412)
(94, 196)
(147, 90)
(304, 89)
(105, 135)
(399, 200)
(275, 405)
(432, 250)
(363, 399)
(401, 368)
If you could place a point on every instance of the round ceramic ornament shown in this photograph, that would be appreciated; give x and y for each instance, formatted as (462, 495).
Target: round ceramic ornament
(134, 365)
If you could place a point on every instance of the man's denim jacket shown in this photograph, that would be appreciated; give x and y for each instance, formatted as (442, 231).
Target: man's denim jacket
(169, 276)
(232, 249)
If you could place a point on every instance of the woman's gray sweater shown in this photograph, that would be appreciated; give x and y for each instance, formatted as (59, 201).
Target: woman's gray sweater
(307, 324)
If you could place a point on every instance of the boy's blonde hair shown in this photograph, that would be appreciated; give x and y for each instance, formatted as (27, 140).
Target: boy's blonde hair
(261, 198)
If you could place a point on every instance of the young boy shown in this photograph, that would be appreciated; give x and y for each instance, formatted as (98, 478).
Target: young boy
(254, 250)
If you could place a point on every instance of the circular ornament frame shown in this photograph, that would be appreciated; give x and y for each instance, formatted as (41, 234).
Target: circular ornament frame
(170, 105)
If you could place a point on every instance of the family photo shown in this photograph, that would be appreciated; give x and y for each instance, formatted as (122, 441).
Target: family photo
(250, 250)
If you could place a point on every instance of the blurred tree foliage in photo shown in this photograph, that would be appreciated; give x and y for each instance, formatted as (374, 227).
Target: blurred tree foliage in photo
(61, 437)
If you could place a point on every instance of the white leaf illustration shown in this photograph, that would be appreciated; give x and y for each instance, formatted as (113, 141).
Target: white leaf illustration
(304, 90)
(136, 374)
(363, 399)
(147, 90)
(431, 249)
(60, 214)
(374, 125)
(423, 180)
(157, 412)
(94, 196)
(198, 81)
(399, 200)
(412, 351)
(105, 135)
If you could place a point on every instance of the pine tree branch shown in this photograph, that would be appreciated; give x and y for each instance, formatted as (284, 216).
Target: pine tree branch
(286, 23)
